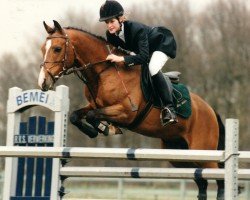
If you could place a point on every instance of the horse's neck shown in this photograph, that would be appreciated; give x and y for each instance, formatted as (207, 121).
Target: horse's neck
(88, 48)
(91, 50)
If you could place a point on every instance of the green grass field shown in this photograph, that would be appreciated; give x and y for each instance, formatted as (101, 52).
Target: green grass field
(131, 190)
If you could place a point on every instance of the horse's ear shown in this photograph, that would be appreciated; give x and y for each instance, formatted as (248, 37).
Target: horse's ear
(48, 28)
(58, 26)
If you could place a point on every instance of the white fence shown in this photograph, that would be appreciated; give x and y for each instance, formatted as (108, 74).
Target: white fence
(231, 156)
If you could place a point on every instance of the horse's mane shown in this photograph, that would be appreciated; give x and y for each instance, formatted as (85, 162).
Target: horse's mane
(94, 35)
(84, 31)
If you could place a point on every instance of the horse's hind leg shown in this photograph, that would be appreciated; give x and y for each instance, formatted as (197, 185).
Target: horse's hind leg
(202, 185)
(220, 192)
(220, 185)
(181, 143)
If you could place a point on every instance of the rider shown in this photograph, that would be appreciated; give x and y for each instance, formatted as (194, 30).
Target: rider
(149, 44)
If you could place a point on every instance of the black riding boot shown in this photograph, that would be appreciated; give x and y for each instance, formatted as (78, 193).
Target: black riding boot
(168, 115)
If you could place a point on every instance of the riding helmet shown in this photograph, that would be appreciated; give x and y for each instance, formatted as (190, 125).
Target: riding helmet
(110, 9)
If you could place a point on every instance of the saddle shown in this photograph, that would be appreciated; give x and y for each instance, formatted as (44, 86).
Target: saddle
(181, 96)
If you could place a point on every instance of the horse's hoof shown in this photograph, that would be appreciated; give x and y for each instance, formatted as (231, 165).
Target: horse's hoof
(241, 189)
(220, 194)
(113, 130)
(202, 197)
(74, 118)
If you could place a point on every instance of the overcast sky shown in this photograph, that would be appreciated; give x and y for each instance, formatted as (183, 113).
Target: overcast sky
(20, 19)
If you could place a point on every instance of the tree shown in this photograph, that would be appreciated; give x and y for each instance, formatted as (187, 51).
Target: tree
(224, 32)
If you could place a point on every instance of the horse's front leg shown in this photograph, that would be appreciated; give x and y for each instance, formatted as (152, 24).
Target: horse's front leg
(97, 126)
(76, 118)
(113, 114)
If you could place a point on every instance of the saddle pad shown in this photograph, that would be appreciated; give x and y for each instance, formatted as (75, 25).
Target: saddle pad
(182, 100)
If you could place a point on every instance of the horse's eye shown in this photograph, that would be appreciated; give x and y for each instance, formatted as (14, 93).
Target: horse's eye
(57, 49)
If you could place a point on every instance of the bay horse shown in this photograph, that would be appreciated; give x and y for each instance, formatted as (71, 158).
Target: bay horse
(111, 91)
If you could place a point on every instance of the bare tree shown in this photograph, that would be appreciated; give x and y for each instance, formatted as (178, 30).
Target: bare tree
(223, 31)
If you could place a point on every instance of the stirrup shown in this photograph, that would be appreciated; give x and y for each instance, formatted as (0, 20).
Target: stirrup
(169, 118)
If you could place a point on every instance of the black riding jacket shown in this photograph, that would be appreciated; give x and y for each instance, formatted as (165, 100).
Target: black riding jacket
(143, 41)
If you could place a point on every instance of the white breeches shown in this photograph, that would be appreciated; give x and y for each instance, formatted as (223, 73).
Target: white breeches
(157, 61)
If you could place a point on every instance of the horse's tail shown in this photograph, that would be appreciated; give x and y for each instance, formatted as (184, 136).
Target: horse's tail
(221, 142)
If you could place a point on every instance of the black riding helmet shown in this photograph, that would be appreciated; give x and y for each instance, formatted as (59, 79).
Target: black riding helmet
(110, 9)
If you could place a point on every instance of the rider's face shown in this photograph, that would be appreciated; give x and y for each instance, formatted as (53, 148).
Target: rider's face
(113, 25)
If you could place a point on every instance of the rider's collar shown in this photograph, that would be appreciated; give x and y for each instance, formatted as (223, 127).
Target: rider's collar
(120, 34)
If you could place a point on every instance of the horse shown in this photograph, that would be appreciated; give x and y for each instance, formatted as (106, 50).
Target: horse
(115, 98)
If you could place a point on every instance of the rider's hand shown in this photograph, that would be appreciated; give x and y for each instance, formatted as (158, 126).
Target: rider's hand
(115, 58)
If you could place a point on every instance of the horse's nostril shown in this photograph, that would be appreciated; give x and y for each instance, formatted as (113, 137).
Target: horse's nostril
(44, 86)
(44, 83)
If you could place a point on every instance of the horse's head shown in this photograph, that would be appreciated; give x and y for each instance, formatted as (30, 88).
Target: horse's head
(58, 56)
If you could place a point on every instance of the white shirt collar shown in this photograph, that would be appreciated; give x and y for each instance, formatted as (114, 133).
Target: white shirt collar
(121, 33)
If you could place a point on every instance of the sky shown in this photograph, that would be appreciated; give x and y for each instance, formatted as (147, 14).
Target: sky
(22, 19)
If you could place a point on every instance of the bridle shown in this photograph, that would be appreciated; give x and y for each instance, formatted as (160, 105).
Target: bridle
(78, 64)
(64, 61)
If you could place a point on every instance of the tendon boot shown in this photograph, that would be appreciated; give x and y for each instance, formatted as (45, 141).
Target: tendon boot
(168, 115)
